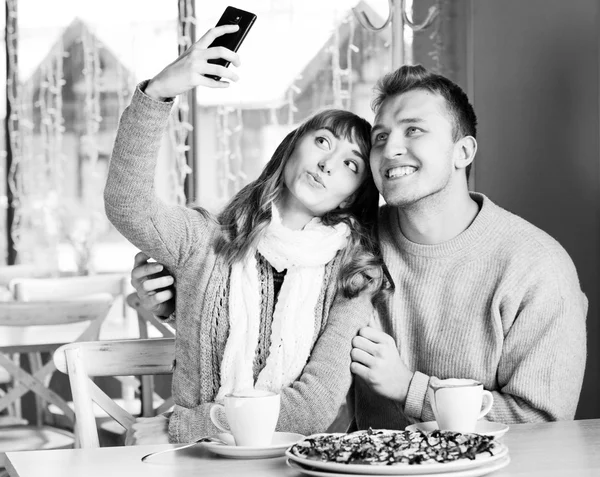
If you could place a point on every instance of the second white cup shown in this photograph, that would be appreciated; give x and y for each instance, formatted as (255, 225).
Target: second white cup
(457, 403)
(251, 417)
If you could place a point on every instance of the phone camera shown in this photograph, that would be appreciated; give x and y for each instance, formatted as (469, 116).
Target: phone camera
(237, 19)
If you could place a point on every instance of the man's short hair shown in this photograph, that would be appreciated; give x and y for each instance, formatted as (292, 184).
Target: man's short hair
(409, 78)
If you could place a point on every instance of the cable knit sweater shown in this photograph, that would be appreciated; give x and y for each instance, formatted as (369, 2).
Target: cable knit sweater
(183, 240)
(500, 303)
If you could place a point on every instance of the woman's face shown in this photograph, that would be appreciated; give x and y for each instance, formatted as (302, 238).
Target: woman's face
(322, 172)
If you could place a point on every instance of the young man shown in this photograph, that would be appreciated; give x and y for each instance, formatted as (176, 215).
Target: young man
(478, 292)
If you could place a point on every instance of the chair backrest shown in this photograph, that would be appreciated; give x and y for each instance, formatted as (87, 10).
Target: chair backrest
(26, 329)
(10, 272)
(150, 325)
(27, 289)
(85, 360)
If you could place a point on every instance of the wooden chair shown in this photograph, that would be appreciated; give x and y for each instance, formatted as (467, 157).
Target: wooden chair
(151, 403)
(10, 272)
(85, 360)
(27, 289)
(36, 327)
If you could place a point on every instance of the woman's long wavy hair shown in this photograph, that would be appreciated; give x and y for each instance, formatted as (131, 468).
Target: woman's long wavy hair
(247, 215)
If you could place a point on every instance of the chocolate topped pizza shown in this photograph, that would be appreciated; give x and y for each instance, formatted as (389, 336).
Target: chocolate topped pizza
(385, 447)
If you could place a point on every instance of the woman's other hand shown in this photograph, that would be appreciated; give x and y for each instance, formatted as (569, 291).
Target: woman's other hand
(188, 71)
(148, 430)
(153, 286)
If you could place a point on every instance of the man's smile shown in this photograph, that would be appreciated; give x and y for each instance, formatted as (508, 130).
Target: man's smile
(400, 171)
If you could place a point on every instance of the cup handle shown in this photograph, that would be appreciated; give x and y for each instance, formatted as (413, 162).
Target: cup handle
(214, 417)
(488, 400)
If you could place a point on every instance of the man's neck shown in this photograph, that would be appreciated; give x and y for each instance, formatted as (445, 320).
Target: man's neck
(436, 219)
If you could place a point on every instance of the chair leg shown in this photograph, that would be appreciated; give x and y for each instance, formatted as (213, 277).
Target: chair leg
(35, 364)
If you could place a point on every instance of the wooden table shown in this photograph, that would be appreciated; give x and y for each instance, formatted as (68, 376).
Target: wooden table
(551, 450)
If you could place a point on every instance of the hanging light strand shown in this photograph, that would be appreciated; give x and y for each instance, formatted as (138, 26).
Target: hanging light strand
(342, 77)
(436, 37)
(91, 106)
(14, 118)
(180, 126)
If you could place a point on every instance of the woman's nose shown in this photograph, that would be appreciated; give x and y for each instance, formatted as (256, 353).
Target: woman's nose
(325, 167)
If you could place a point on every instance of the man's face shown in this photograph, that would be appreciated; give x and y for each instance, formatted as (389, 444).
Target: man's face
(412, 157)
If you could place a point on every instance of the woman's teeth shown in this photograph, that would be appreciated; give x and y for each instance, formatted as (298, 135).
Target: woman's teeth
(400, 171)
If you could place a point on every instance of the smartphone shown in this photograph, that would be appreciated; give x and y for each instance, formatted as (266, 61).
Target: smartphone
(232, 41)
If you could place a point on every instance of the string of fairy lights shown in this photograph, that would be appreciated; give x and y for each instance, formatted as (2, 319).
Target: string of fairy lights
(37, 174)
(179, 122)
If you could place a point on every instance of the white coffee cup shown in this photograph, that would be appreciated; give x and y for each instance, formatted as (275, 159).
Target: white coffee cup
(456, 403)
(251, 417)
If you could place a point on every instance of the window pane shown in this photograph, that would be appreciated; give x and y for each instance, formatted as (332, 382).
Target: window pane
(78, 64)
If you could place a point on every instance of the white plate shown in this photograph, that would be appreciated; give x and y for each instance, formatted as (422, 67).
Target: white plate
(486, 428)
(281, 441)
(476, 472)
(500, 450)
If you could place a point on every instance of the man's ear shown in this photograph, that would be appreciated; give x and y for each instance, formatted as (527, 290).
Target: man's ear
(464, 151)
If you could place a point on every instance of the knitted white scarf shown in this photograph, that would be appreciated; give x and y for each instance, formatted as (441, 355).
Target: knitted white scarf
(304, 253)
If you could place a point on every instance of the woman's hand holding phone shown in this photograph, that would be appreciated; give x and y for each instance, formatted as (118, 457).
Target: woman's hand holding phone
(189, 70)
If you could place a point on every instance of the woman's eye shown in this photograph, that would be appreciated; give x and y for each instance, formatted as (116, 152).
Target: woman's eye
(323, 141)
(412, 130)
(353, 166)
(380, 137)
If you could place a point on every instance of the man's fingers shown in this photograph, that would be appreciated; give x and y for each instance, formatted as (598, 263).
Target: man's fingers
(142, 271)
(374, 335)
(154, 284)
(359, 370)
(364, 344)
(215, 33)
(152, 300)
(140, 258)
(362, 357)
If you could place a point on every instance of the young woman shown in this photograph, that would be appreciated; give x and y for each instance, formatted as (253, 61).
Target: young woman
(272, 291)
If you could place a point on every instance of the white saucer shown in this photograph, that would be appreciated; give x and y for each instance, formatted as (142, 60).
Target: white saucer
(281, 441)
(486, 428)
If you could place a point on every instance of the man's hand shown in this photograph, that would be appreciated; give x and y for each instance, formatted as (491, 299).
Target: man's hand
(155, 292)
(148, 430)
(188, 71)
(376, 360)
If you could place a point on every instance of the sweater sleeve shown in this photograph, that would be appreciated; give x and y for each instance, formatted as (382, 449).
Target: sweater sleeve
(311, 403)
(167, 233)
(540, 371)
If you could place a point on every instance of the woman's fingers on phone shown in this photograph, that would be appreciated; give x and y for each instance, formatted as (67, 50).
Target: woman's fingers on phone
(218, 70)
(215, 33)
(220, 52)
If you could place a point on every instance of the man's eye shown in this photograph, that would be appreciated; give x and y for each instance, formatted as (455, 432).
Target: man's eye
(412, 130)
(323, 141)
(353, 166)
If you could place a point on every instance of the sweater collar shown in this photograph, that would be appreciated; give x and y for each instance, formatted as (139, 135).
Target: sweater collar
(390, 227)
